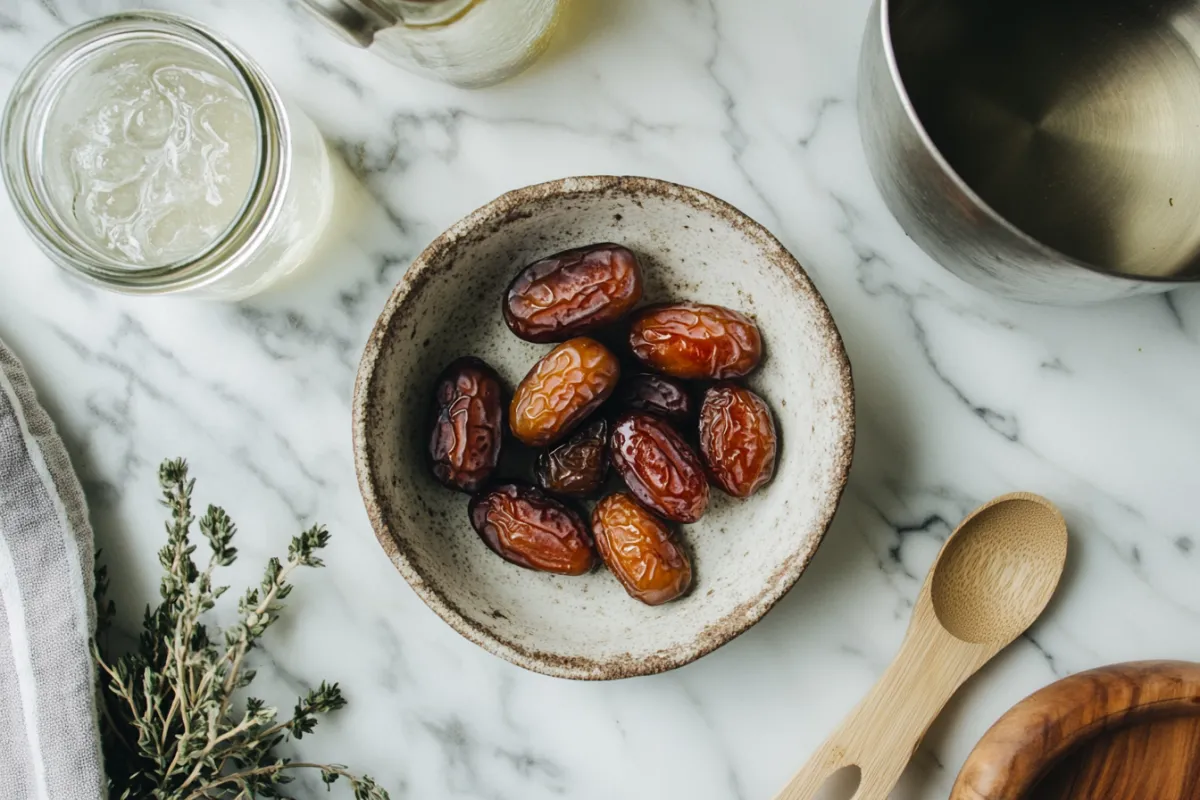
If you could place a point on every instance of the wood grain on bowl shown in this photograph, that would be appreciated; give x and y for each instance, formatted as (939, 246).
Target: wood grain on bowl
(746, 555)
(1121, 732)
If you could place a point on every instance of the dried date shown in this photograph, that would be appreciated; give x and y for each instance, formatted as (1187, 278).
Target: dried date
(659, 467)
(695, 341)
(738, 439)
(561, 390)
(573, 292)
(656, 394)
(524, 526)
(578, 466)
(467, 425)
(640, 550)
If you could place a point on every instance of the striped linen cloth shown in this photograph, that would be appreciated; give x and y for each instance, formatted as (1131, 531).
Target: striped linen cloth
(49, 742)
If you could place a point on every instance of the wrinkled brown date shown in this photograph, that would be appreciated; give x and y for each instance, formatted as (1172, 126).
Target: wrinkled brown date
(639, 550)
(467, 425)
(524, 526)
(737, 439)
(569, 383)
(573, 292)
(659, 467)
(578, 466)
(695, 341)
(656, 394)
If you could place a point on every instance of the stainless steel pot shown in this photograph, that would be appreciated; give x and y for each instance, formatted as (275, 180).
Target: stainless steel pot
(1047, 151)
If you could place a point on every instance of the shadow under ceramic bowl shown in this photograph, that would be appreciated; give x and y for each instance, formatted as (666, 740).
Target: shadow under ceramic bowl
(747, 554)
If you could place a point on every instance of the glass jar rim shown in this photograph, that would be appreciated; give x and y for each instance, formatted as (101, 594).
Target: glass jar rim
(36, 88)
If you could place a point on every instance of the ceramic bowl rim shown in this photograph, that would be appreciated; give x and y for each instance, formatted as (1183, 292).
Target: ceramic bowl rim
(497, 213)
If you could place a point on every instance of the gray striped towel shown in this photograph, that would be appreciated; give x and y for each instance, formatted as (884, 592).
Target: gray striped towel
(49, 744)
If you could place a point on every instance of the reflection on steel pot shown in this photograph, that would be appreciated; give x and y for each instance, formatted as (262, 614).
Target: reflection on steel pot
(1044, 151)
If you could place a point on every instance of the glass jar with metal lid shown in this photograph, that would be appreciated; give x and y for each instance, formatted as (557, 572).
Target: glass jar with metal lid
(469, 43)
(148, 155)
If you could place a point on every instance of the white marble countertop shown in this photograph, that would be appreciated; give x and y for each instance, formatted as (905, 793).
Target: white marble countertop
(961, 396)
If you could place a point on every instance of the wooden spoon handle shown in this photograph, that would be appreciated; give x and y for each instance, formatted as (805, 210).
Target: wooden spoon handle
(880, 735)
(874, 785)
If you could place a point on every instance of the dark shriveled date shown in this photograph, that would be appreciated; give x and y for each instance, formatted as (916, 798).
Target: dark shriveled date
(573, 292)
(640, 551)
(578, 466)
(467, 425)
(738, 439)
(524, 526)
(696, 341)
(659, 467)
(656, 394)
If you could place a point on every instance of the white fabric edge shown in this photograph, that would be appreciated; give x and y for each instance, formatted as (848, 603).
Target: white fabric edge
(60, 510)
(12, 594)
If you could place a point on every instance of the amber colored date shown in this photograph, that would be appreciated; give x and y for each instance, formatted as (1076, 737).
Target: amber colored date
(659, 467)
(656, 394)
(640, 551)
(561, 390)
(738, 439)
(573, 292)
(467, 425)
(695, 341)
(524, 526)
(578, 466)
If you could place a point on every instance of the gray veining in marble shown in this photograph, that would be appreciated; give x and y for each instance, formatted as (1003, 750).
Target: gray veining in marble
(961, 396)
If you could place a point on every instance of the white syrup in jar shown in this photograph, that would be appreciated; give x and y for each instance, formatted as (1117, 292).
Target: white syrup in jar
(148, 155)
(157, 146)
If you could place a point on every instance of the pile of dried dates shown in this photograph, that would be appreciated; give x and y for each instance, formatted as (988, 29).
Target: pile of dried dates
(583, 412)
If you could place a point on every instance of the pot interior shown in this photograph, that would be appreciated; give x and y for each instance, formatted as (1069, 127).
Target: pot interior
(1078, 122)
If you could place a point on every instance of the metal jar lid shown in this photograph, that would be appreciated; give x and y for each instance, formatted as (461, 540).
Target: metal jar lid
(360, 20)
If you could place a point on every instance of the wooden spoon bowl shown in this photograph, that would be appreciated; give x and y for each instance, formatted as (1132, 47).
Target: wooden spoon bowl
(992, 579)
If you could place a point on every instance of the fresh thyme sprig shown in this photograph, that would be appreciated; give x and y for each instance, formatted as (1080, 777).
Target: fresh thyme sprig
(169, 727)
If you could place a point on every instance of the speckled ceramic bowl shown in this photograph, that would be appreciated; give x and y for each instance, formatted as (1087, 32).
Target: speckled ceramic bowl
(747, 554)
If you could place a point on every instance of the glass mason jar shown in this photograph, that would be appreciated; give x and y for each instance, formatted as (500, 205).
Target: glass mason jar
(469, 43)
(266, 197)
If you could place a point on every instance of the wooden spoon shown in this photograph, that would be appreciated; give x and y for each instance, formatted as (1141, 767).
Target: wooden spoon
(991, 580)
